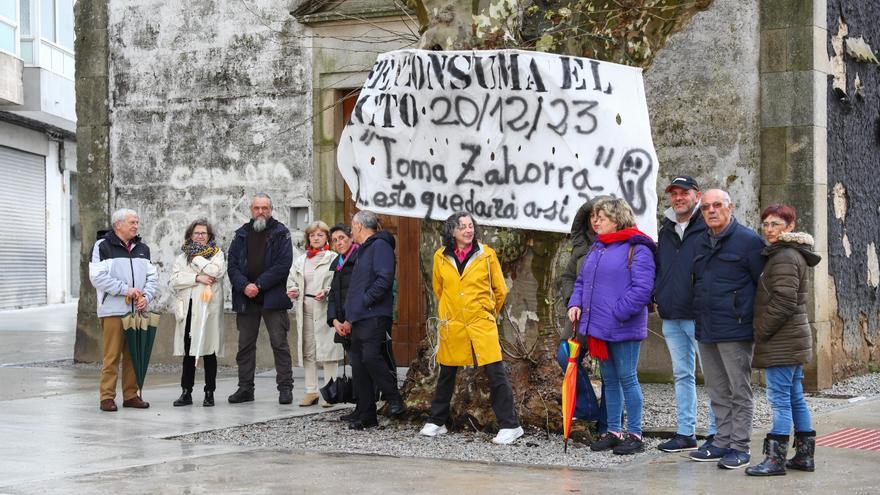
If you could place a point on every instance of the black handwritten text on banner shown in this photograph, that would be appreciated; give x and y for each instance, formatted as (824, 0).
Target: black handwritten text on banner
(519, 139)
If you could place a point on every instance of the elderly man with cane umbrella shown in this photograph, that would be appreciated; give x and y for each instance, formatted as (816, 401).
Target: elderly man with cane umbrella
(125, 280)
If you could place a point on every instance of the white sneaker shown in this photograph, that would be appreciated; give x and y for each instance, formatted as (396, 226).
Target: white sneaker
(508, 435)
(432, 430)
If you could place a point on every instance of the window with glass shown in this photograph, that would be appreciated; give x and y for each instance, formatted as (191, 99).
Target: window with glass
(8, 26)
(56, 22)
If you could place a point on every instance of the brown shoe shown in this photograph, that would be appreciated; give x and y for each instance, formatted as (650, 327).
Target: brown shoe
(108, 405)
(136, 402)
(310, 399)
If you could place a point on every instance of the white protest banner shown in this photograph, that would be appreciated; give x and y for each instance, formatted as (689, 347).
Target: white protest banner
(519, 139)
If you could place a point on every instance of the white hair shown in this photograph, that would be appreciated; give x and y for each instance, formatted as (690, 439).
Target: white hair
(121, 214)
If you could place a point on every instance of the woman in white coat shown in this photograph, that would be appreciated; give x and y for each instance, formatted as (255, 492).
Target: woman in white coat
(308, 285)
(197, 280)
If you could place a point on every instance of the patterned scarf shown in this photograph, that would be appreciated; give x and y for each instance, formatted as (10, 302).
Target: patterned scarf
(340, 260)
(311, 252)
(193, 249)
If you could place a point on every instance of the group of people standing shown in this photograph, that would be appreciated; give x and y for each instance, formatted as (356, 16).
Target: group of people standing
(726, 298)
(266, 282)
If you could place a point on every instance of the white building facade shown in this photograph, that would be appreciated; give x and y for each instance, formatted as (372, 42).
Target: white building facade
(39, 226)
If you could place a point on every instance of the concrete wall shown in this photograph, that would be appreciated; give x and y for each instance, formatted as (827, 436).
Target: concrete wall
(11, 86)
(853, 200)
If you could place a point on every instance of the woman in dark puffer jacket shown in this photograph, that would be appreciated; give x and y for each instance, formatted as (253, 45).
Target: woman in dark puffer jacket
(783, 340)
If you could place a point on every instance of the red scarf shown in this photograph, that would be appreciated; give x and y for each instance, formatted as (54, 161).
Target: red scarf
(621, 235)
(311, 252)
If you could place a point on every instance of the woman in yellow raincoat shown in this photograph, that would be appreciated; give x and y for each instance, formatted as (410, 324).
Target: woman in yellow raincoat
(470, 291)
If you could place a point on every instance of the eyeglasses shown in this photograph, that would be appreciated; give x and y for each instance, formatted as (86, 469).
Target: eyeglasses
(200, 234)
(775, 225)
(716, 205)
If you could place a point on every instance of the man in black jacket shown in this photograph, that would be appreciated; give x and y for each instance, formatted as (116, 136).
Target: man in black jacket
(259, 261)
(679, 240)
(369, 307)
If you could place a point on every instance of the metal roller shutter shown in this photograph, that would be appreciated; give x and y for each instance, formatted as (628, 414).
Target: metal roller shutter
(22, 229)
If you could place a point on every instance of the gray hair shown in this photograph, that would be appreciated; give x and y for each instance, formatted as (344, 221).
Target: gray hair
(121, 214)
(264, 196)
(368, 219)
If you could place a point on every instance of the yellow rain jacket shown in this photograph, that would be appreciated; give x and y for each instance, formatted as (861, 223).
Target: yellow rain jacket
(468, 304)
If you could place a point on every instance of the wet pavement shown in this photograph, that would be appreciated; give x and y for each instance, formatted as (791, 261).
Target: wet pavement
(53, 439)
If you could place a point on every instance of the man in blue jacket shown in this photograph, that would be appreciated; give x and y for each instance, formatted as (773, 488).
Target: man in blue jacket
(679, 242)
(726, 274)
(259, 261)
(369, 308)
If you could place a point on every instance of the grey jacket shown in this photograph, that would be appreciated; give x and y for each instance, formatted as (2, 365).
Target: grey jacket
(114, 268)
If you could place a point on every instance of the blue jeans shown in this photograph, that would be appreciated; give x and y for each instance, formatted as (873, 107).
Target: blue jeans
(586, 407)
(622, 386)
(679, 336)
(785, 392)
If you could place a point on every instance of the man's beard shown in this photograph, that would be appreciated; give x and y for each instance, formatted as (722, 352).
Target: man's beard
(259, 224)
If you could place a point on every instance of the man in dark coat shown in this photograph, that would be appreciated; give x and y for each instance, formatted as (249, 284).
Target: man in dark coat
(726, 274)
(679, 241)
(259, 261)
(369, 306)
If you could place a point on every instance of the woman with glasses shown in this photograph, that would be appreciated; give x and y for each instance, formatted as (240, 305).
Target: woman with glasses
(197, 280)
(784, 341)
(309, 285)
(610, 305)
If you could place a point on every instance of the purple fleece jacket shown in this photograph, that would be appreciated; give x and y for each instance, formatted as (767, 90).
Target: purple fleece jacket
(613, 297)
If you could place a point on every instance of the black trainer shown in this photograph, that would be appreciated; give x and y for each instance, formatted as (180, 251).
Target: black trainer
(607, 441)
(632, 444)
(241, 395)
(679, 443)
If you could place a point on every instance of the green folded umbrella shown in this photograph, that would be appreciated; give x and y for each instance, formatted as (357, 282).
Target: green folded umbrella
(139, 331)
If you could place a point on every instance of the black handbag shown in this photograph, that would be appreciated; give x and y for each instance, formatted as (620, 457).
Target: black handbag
(339, 390)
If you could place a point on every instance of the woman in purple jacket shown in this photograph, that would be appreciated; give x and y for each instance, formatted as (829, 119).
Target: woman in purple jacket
(610, 301)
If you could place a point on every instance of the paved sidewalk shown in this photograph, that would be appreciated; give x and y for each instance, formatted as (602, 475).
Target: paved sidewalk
(55, 440)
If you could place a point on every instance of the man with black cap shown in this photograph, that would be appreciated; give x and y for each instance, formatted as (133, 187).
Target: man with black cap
(679, 241)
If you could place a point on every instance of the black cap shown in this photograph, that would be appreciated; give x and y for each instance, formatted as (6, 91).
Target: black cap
(684, 182)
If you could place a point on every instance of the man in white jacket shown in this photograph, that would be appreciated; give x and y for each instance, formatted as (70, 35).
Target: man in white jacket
(120, 268)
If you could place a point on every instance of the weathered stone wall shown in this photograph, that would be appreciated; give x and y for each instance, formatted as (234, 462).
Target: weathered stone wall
(704, 99)
(209, 102)
(854, 187)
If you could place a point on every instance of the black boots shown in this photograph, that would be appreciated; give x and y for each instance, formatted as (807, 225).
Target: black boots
(805, 448)
(775, 449)
(209, 399)
(185, 399)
